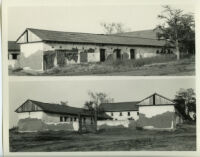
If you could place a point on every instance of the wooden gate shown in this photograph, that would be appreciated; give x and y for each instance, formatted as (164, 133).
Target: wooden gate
(83, 57)
(48, 60)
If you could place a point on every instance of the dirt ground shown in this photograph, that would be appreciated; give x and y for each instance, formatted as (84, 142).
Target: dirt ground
(184, 67)
(118, 139)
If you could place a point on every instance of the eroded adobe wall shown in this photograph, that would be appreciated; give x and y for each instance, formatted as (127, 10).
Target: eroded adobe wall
(34, 125)
(31, 56)
(107, 124)
(153, 117)
(93, 51)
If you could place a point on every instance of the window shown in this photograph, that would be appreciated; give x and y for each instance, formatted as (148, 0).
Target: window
(111, 113)
(91, 120)
(60, 47)
(120, 114)
(129, 113)
(137, 113)
(75, 119)
(65, 119)
(71, 119)
(14, 56)
(61, 119)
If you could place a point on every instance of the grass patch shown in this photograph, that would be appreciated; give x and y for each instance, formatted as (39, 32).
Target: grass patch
(116, 139)
(159, 65)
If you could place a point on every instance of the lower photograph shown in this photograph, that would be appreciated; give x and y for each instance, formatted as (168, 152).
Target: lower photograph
(102, 115)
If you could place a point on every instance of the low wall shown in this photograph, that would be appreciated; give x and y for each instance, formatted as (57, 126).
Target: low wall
(34, 125)
(116, 124)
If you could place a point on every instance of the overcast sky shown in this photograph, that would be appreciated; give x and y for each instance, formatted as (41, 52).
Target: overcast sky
(75, 91)
(85, 18)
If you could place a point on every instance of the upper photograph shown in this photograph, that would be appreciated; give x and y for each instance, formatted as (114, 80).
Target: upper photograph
(101, 40)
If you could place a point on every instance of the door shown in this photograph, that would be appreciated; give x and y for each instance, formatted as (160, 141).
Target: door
(83, 57)
(118, 54)
(102, 55)
(132, 54)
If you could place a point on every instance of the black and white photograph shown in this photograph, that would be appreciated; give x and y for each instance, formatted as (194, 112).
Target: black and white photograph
(100, 78)
(98, 116)
(102, 40)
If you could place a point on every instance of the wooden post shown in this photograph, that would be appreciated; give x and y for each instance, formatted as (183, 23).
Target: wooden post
(95, 117)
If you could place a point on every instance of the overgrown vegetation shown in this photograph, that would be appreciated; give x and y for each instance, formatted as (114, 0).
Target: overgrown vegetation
(159, 65)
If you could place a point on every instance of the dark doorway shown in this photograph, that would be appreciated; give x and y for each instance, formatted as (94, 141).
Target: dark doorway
(132, 53)
(118, 53)
(102, 55)
(14, 56)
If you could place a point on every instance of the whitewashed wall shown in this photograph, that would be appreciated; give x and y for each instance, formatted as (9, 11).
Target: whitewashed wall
(94, 57)
(37, 115)
(151, 111)
(124, 123)
(13, 63)
(116, 115)
(31, 48)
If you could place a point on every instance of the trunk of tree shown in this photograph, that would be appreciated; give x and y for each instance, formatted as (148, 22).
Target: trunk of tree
(177, 50)
(95, 118)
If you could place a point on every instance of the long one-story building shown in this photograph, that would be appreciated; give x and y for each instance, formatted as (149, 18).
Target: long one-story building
(153, 112)
(44, 49)
(39, 116)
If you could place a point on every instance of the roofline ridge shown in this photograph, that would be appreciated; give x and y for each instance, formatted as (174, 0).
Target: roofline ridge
(115, 35)
(119, 102)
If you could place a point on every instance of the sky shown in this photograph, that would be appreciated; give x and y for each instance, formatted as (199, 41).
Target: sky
(84, 18)
(76, 91)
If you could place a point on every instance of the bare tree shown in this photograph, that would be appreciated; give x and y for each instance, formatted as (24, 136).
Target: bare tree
(96, 98)
(112, 28)
(64, 103)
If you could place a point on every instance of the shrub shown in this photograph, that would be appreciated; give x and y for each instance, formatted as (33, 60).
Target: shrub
(142, 61)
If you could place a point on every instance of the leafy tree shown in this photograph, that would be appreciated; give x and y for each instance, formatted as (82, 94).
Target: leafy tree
(112, 28)
(186, 101)
(96, 98)
(177, 28)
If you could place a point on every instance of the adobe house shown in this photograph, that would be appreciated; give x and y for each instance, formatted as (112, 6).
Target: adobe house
(153, 112)
(13, 54)
(121, 110)
(44, 49)
(158, 112)
(39, 116)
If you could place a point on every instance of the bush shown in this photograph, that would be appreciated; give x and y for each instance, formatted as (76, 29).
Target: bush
(142, 61)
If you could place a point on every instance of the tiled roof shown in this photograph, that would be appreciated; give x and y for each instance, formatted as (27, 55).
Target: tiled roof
(64, 109)
(13, 46)
(150, 34)
(120, 106)
(74, 37)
